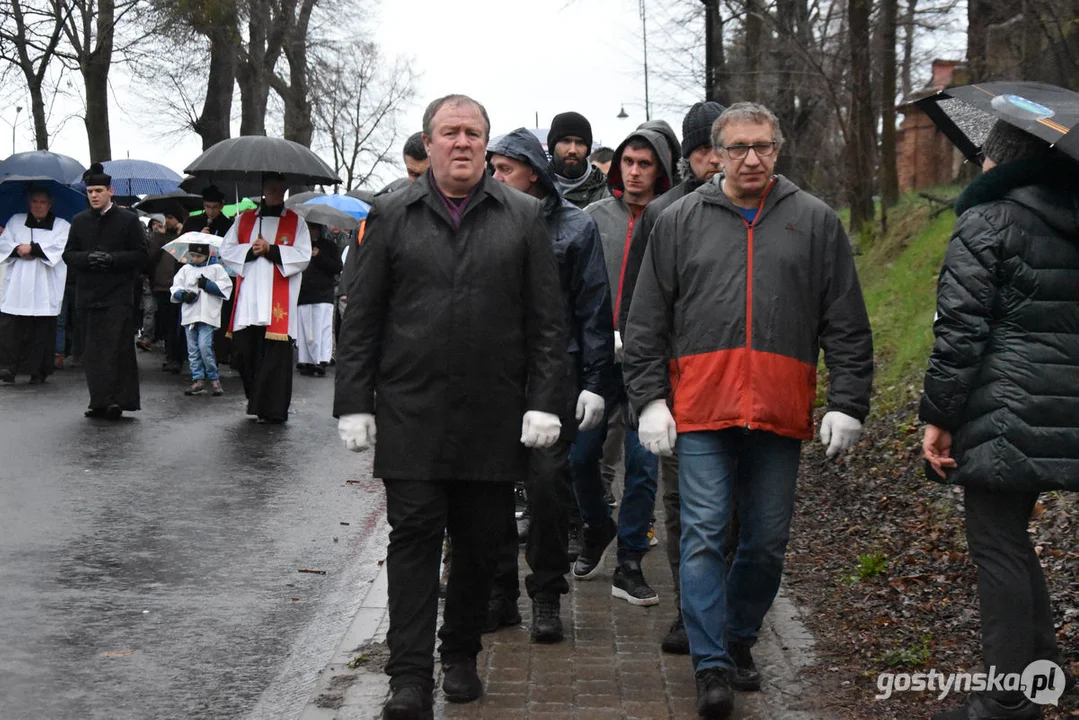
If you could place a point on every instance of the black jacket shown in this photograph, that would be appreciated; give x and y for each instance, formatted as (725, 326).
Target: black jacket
(118, 233)
(320, 276)
(581, 269)
(459, 332)
(1004, 373)
(218, 227)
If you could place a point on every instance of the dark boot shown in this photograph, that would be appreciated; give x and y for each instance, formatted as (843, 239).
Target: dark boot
(715, 699)
(501, 612)
(460, 683)
(546, 621)
(981, 707)
(676, 641)
(746, 676)
(596, 543)
(408, 702)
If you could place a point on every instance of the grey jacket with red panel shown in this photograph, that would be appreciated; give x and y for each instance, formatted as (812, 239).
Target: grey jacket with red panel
(747, 309)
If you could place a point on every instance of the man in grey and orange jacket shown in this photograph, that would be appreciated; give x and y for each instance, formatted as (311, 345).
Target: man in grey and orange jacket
(744, 281)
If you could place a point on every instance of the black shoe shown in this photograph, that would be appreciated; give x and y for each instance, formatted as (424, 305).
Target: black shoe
(746, 676)
(408, 702)
(501, 612)
(609, 498)
(94, 413)
(676, 641)
(629, 584)
(320, 370)
(981, 707)
(546, 621)
(595, 546)
(573, 545)
(460, 683)
(715, 699)
(305, 369)
(7, 376)
(37, 379)
(113, 412)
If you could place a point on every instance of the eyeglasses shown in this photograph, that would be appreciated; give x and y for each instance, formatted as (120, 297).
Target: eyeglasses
(739, 152)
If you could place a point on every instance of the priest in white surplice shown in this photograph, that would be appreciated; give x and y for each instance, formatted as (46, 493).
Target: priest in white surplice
(31, 249)
(268, 249)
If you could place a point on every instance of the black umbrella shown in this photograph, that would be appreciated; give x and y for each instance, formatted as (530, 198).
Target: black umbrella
(233, 190)
(169, 201)
(248, 157)
(302, 197)
(966, 114)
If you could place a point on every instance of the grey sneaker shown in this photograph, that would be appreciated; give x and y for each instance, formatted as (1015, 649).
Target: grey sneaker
(197, 388)
(215, 388)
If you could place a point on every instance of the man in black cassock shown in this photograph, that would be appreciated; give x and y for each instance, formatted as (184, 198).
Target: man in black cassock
(106, 250)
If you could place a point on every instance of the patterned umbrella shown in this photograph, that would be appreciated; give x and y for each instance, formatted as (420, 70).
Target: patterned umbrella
(138, 177)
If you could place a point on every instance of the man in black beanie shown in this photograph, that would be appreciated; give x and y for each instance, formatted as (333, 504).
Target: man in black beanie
(107, 250)
(569, 143)
(703, 165)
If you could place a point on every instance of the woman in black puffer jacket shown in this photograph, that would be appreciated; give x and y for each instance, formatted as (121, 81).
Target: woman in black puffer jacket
(1001, 397)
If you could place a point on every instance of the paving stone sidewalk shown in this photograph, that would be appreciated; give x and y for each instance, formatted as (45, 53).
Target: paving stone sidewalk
(609, 666)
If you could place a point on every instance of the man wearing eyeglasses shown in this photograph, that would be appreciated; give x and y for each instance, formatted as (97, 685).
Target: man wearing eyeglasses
(743, 282)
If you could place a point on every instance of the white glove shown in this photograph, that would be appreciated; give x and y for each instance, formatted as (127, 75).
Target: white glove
(590, 408)
(617, 346)
(657, 430)
(358, 431)
(839, 432)
(540, 429)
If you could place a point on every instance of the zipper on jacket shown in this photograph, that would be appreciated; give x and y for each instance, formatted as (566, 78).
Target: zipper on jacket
(747, 397)
(625, 257)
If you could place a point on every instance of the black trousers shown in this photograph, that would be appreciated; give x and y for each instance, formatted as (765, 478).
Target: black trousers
(265, 367)
(1017, 619)
(27, 343)
(419, 513)
(108, 359)
(549, 488)
(167, 327)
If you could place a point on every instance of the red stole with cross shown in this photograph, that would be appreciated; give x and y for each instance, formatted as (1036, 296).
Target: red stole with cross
(279, 302)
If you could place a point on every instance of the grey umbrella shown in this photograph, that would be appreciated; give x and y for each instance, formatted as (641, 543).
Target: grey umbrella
(366, 195)
(248, 157)
(326, 215)
(294, 200)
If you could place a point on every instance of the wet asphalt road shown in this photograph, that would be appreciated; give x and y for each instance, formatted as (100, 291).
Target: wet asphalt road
(148, 568)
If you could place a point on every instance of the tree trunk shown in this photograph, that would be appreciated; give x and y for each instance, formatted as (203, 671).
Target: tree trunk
(753, 34)
(860, 140)
(785, 108)
(908, 46)
(213, 123)
(889, 177)
(253, 75)
(978, 17)
(95, 74)
(298, 124)
(716, 86)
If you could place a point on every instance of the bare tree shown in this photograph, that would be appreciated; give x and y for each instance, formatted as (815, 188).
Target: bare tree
(860, 139)
(889, 175)
(30, 33)
(357, 108)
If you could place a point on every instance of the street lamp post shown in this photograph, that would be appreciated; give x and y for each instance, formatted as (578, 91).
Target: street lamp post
(18, 109)
(644, 35)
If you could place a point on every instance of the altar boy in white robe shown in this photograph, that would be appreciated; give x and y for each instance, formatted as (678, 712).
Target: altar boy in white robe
(268, 249)
(31, 249)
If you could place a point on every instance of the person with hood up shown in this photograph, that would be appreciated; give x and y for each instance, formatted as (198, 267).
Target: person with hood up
(570, 143)
(640, 171)
(697, 151)
(999, 401)
(518, 161)
(744, 281)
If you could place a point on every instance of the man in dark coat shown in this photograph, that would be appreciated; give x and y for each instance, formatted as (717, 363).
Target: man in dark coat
(518, 161)
(455, 323)
(107, 250)
(211, 220)
(161, 269)
(570, 143)
(1000, 401)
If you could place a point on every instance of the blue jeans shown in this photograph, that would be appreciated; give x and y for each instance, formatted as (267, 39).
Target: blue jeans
(762, 468)
(639, 496)
(200, 351)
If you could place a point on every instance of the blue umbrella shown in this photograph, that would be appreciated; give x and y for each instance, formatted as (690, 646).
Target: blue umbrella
(42, 163)
(14, 197)
(352, 206)
(139, 177)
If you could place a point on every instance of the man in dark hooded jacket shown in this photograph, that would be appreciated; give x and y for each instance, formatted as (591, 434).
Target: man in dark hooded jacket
(570, 143)
(1000, 402)
(518, 161)
(640, 171)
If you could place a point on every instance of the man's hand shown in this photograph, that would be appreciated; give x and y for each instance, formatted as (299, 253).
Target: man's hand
(260, 246)
(99, 260)
(540, 429)
(358, 431)
(657, 430)
(590, 408)
(206, 230)
(617, 346)
(937, 449)
(314, 251)
(839, 432)
(24, 250)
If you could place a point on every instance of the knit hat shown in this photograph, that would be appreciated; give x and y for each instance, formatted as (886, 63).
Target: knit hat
(569, 124)
(1005, 143)
(96, 176)
(210, 193)
(697, 125)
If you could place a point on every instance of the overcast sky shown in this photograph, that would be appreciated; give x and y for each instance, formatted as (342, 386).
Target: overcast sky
(518, 59)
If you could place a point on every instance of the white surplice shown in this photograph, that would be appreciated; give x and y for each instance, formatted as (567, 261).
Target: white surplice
(254, 299)
(33, 286)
